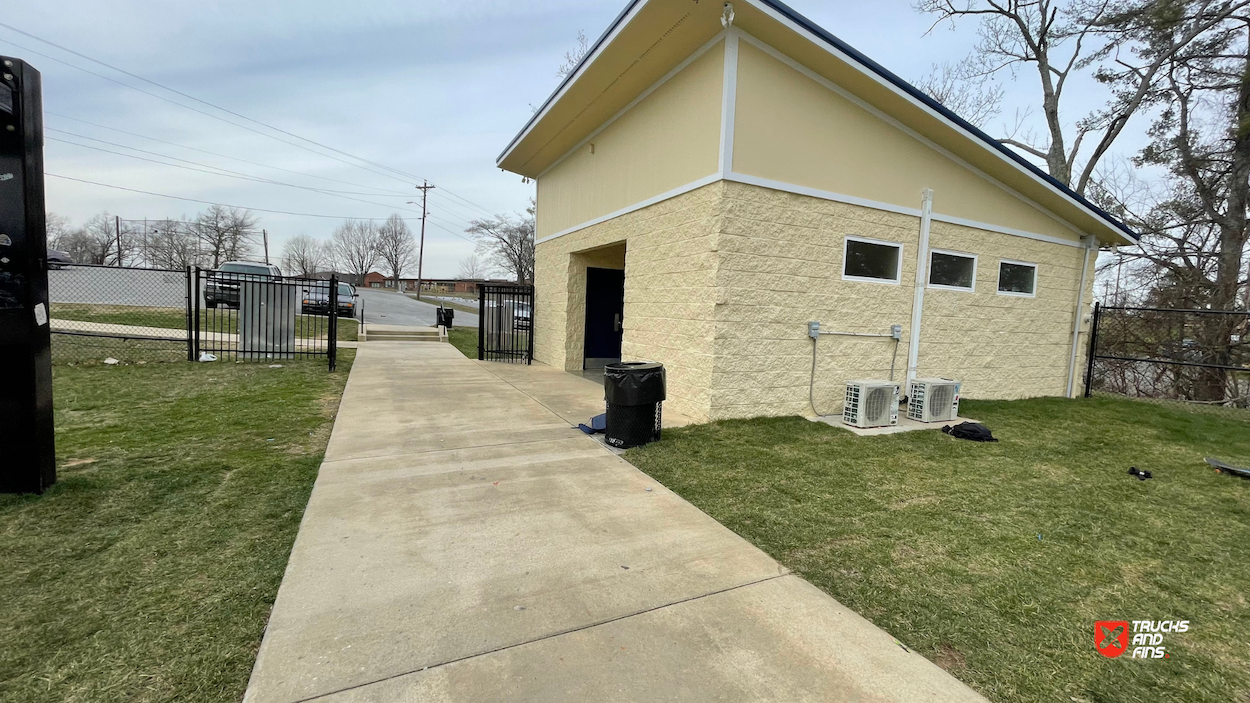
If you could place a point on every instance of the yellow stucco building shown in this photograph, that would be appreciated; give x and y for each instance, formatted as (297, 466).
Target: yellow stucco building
(713, 176)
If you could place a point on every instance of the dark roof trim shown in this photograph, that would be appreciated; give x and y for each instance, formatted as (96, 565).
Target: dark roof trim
(936, 106)
(594, 48)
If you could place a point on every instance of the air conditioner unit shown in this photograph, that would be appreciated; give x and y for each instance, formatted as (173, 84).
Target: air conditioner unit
(933, 400)
(871, 404)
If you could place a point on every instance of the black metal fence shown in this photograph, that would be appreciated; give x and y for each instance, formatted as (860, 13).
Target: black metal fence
(112, 314)
(505, 329)
(1170, 354)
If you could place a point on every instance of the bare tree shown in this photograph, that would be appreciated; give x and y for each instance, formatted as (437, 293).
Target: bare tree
(507, 243)
(1194, 226)
(472, 268)
(171, 244)
(1060, 39)
(965, 90)
(354, 248)
(58, 226)
(304, 256)
(226, 233)
(574, 57)
(98, 242)
(396, 247)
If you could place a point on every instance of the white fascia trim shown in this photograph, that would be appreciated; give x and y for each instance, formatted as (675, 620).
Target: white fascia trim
(729, 101)
(693, 185)
(820, 43)
(642, 96)
(889, 207)
(570, 80)
(905, 129)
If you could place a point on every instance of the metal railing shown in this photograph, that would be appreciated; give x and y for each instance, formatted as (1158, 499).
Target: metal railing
(109, 313)
(1170, 354)
(506, 323)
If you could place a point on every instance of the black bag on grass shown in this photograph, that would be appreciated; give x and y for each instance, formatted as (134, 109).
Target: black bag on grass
(973, 431)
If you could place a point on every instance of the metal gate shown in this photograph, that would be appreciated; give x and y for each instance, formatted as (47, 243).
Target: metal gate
(109, 313)
(505, 327)
(1170, 354)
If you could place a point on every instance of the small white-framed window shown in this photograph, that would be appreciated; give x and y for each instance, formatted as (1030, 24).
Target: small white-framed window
(872, 260)
(1017, 278)
(952, 270)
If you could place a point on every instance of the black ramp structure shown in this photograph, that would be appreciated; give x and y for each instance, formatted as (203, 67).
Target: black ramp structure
(27, 455)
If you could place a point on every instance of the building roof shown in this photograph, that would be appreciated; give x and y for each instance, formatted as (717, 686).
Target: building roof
(649, 37)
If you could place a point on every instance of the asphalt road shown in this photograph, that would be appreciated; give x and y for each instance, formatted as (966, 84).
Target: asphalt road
(386, 308)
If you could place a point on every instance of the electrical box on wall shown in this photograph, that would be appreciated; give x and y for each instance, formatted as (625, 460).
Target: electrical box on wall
(26, 436)
(813, 329)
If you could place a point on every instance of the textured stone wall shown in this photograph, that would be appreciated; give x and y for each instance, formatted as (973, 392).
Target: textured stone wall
(720, 284)
(780, 265)
(670, 293)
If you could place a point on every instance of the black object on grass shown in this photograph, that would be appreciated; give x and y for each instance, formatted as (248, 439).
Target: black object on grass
(973, 431)
(1141, 475)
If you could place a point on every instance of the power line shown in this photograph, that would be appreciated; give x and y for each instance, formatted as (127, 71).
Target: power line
(380, 191)
(236, 114)
(242, 207)
(203, 112)
(223, 172)
(211, 202)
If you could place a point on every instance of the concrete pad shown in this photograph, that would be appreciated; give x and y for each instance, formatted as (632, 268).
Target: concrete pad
(781, 639)
(904, 425)
(440, 568)
(464, 542)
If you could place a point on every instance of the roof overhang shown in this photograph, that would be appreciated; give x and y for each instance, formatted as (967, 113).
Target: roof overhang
(650, 37)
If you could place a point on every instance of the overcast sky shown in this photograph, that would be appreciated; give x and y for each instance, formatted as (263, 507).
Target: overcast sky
(432, 89)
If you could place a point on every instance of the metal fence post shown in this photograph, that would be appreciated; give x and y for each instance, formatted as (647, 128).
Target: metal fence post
(190, 318)
(1093, 349)
(481, 322)
(195, 307)
(332, 350)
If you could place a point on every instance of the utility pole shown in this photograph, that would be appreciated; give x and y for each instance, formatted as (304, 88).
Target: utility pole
(425, 191)
(117, 223)
(265, 234)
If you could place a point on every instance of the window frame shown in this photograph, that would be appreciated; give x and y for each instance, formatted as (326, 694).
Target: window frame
(1013, 262)
(963, 255)
(898, 273)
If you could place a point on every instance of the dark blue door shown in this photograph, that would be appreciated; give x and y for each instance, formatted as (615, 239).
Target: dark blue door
(605, 309)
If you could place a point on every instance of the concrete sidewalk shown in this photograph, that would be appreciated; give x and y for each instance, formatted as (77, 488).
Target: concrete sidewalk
(463, 543)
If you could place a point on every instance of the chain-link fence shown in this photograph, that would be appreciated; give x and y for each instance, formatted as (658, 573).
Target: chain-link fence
(133, 314)
(108, 314)
(1194, 356)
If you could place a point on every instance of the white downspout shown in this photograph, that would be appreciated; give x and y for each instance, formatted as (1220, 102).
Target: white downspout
(917, 300)
(1090, 245)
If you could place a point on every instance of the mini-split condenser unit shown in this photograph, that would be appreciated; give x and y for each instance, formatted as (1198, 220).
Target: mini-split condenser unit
(871, 404)
(933, 400)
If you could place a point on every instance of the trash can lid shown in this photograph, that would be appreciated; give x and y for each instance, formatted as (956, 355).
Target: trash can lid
(634, 366)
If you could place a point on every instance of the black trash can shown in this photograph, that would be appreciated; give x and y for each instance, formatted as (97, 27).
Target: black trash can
(448, 315)
(634, 391)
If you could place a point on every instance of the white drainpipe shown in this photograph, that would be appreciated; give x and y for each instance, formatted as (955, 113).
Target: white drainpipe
(917, 301)
(1091, 244)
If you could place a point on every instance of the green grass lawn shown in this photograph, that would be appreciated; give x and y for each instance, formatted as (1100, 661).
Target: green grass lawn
(464, 339)
(995, 560)
(148, 571)
(221, 320)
